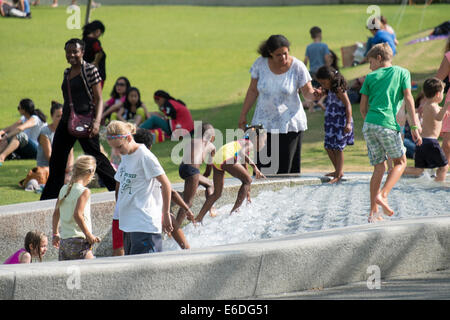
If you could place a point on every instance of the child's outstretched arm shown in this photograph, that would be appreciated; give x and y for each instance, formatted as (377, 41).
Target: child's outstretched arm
(78, 215)
(258, 173)
(364, 105)
(55, 225)
(166, 190)
(179, 201)
(342, 95)
(411, 113)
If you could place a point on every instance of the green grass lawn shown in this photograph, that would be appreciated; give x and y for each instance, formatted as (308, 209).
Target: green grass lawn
(201, 55)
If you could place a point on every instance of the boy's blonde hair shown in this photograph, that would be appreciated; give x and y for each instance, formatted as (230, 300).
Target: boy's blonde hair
(119, 129)
(84, 165)
(381, 49)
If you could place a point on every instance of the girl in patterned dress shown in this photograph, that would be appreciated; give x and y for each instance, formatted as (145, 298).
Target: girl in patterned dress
(338, 118)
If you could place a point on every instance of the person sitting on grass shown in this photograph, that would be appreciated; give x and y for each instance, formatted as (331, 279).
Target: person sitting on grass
(22, 136)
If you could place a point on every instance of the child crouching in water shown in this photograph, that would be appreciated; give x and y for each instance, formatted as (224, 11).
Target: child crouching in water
(143, 192)
(233, 158)
(35, 246)
(72, 228)
(338, 118)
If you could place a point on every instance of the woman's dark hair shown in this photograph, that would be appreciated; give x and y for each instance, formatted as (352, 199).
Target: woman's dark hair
(337, 80)
(334, 60)
(55, 106)
(28, 106)
(75, 41)
(92, 26)
(273, 43)
(167, 96)
(114, 94)
(127, 104)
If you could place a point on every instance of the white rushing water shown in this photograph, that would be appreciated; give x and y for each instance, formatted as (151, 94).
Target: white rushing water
(312, 208)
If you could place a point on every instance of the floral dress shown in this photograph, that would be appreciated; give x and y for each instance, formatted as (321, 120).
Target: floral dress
(335, 122)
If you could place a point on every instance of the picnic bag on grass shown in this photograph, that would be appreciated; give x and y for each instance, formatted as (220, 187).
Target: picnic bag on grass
(79, 125)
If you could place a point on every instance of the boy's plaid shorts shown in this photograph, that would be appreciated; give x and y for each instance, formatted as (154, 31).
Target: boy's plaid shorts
(382, 141)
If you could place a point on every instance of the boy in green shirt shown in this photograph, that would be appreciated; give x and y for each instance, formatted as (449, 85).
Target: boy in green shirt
(381, 97)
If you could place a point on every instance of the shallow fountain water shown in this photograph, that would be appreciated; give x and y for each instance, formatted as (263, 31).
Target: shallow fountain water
(312, 208)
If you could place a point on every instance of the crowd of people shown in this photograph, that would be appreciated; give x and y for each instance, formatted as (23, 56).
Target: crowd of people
(271, 143)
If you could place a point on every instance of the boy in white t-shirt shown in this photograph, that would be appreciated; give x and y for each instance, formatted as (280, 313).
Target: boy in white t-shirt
(143, 192)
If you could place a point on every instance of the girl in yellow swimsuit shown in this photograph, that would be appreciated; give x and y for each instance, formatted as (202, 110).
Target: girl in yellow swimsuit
(233, 158)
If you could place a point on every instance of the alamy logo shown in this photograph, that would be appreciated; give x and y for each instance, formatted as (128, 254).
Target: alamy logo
(74, 20)
(374, 280)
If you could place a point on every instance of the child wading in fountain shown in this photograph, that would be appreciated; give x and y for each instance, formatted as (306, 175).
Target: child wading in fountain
(429, 155)
(143, 192)
(73, 214)
(233, 158)
(35, 247)
(194, 154)
(338, 118)
(381, 97)
(145, 137)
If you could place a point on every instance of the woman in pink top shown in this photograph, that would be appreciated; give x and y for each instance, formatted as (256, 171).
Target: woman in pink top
(442, 73)
(35, 247)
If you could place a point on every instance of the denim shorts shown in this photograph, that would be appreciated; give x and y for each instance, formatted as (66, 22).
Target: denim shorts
(141, 242)
(382, 141)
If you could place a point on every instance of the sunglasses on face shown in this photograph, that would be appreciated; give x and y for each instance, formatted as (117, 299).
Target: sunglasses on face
(121, 84)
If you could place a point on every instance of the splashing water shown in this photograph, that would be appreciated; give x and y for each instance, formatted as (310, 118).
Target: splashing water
(312, 208)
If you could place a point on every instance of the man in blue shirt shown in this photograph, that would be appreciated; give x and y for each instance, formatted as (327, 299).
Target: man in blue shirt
(317, 53)
(379, 36)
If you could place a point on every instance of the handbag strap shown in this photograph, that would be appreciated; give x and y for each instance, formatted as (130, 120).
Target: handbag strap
(69, 92)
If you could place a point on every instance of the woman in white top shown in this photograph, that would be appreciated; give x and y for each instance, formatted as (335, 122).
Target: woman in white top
(276, 78)
(22, 136)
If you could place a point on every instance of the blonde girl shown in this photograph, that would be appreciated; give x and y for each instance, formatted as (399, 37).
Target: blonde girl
(72, 229)
(35, 246)
(143, 192)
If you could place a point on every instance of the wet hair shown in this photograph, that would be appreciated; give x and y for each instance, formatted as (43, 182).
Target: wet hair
(75, 41)
(84, 165)
(337, 80)
(166, 95)
(381, 49)
(114, 94)
(55, 106)
(144, 136)
(92, 26)
(432, 86)
(273, 43)
(28, 106)
(127, 104)
(315, 32)
(34, 238)
(117, 128)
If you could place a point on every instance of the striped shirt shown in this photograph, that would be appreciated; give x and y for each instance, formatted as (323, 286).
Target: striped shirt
(90, 76)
